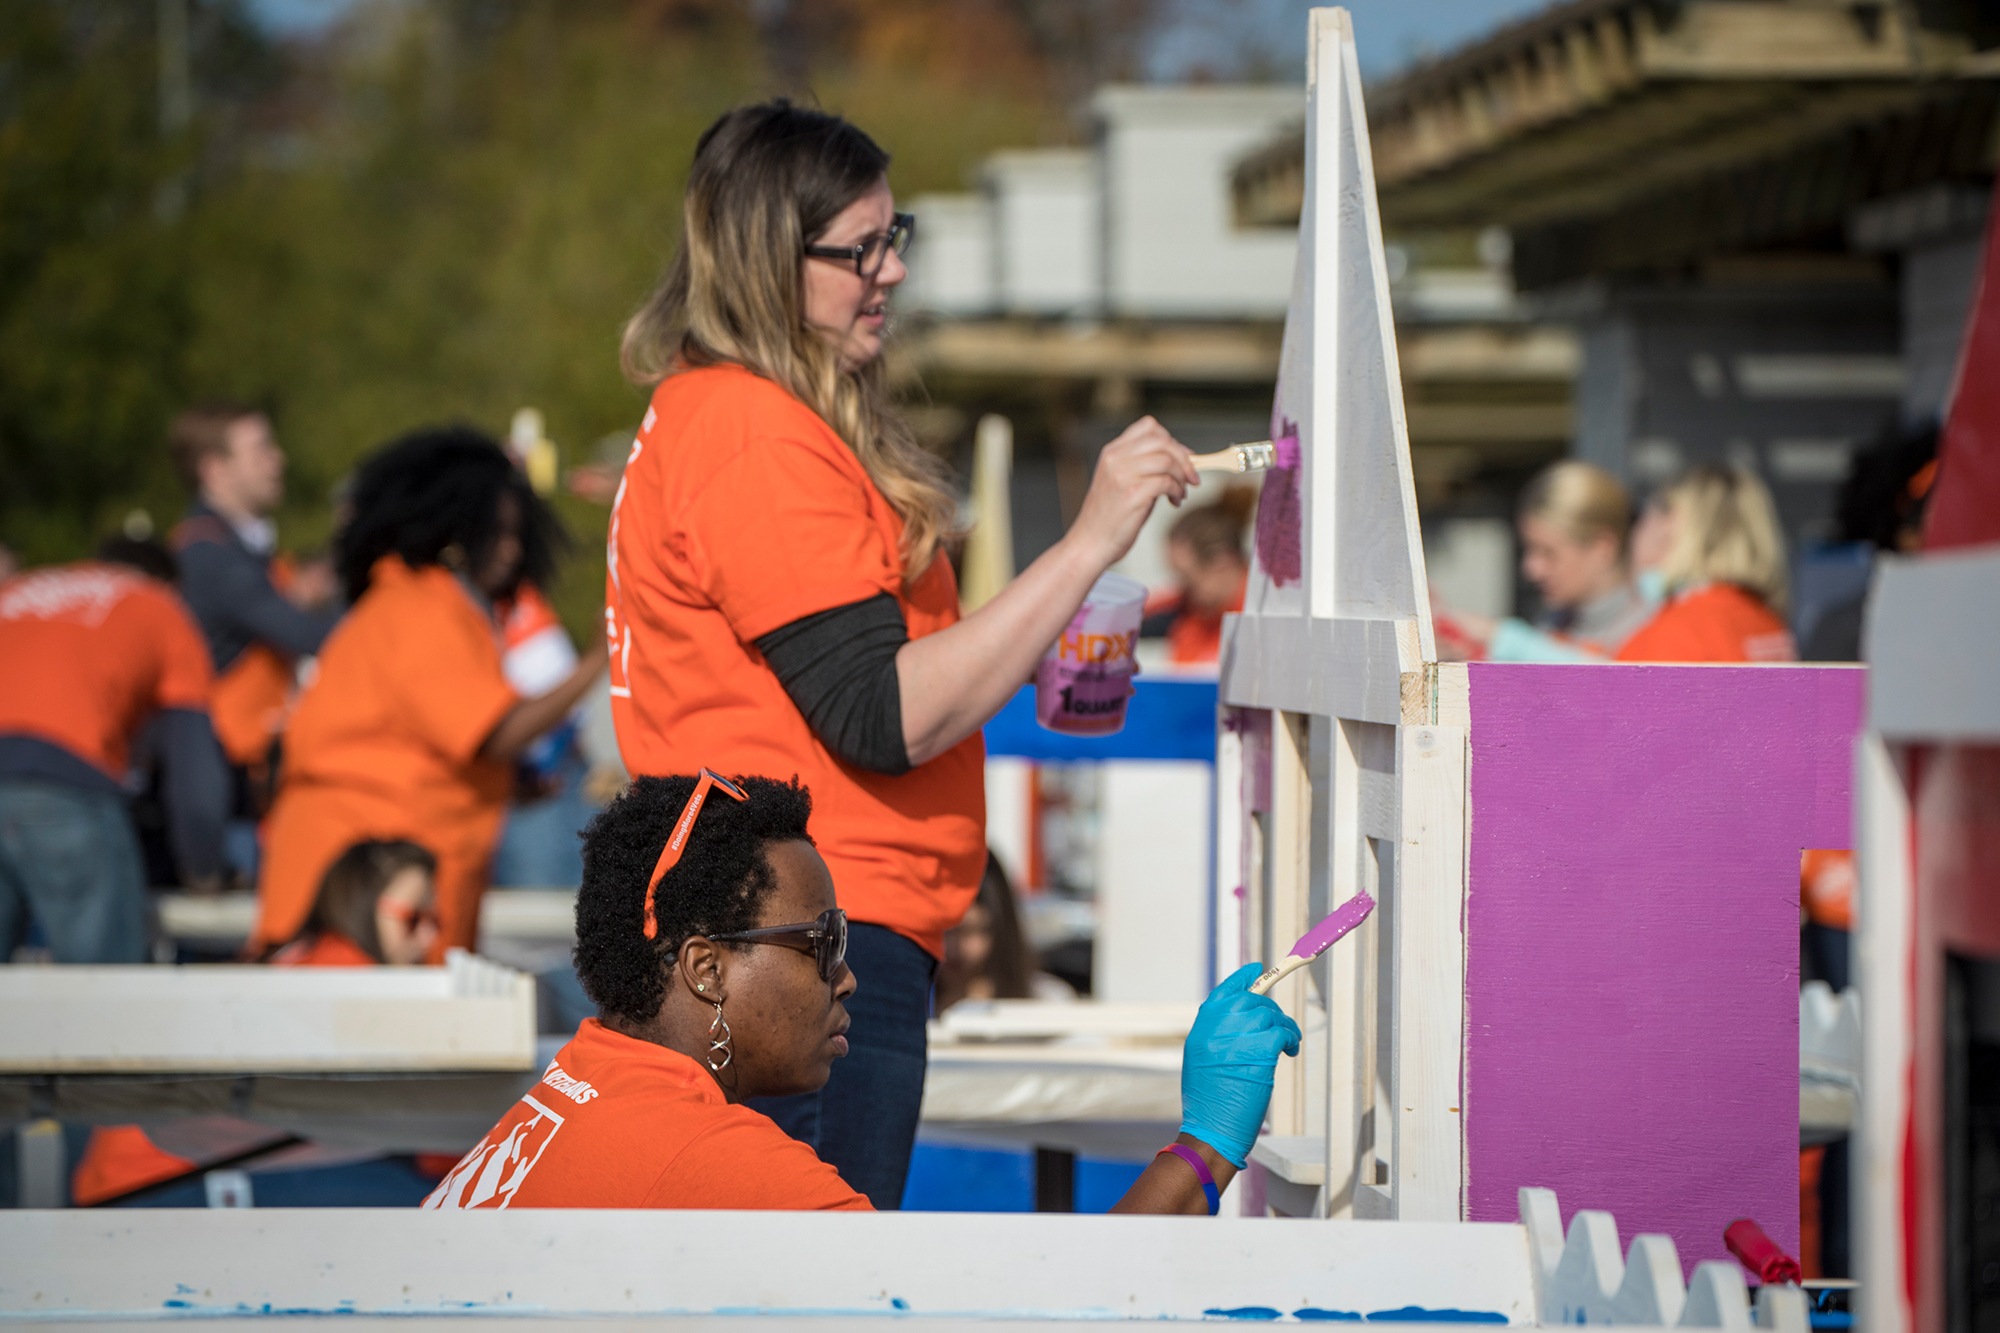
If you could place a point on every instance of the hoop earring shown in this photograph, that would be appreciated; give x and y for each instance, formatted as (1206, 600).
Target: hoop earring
(719, 1043)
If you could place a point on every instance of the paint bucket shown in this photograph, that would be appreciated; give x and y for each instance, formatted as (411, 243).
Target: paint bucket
(1085, 679)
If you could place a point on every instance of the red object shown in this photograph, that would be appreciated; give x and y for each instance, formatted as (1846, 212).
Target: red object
(1759, 1253)
(1965, 503)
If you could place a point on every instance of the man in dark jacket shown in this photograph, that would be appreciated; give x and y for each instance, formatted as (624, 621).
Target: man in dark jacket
(255, 612)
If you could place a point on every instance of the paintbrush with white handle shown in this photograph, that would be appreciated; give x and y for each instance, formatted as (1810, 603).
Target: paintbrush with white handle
(1316, 941)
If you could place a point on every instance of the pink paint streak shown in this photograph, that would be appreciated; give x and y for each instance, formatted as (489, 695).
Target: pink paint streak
(1328, 932)
(1280, 516)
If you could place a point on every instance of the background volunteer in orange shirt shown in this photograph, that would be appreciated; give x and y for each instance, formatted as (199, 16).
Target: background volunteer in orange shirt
(742, 989)
(1206, 549)
(1723, 572)
(89, 653)
(778, 601)
(410, 729)
(377, 904)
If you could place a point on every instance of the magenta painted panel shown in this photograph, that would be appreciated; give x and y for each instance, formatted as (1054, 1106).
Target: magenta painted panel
(1632, 932)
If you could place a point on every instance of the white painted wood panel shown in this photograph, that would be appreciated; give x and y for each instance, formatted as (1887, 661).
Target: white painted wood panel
(535, 1262)
(1429, 1019)
(468, 1015)
(1153, 881)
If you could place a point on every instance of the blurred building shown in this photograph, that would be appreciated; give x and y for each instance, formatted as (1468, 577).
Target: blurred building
(1761, 218)
(1078, 288)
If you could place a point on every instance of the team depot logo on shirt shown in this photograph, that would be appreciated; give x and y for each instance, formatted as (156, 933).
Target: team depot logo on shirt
(492, 1172)
(82, 596)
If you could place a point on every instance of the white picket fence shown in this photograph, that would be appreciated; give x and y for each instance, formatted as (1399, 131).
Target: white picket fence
(1584, 1279)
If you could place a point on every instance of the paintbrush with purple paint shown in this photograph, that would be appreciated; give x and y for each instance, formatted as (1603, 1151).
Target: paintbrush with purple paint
(1251, 457)
(1316, 941)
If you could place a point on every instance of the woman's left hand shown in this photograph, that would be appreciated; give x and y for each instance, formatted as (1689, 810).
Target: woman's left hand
(1230, 1064)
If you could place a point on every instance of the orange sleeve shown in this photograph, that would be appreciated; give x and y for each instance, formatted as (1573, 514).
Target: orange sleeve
(449, 684)
(782, 531)
(748, 1162)
(186, 674)
(1679, 632)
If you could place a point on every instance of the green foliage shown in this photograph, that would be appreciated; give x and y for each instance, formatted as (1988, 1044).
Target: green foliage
(447, 215)
(94, 317)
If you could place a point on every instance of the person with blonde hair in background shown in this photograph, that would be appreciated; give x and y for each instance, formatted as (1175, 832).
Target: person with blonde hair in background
(1575, 525)
(1723, 569)
(778, 598)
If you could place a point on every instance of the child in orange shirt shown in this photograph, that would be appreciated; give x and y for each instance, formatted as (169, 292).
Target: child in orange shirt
(375, 905)
(410, 729)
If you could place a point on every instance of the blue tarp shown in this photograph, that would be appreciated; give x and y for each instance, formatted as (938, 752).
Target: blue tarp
(1167, 719)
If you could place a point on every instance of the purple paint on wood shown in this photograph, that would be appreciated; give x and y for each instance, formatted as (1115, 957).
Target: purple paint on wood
(1632, 937)
(1280, 515)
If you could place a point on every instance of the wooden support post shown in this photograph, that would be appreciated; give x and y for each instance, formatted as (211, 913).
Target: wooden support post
(1288, 872)
(1429, 975)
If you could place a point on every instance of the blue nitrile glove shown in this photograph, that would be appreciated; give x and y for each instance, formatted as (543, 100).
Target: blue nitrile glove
(1230, 1062)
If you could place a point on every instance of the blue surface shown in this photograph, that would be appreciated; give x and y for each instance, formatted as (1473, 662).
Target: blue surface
(946, 1178)
(1167, 719)
(384, 1182)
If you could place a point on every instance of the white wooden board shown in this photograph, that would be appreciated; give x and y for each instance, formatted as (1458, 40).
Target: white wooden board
(531, 1262)
(467, 1015)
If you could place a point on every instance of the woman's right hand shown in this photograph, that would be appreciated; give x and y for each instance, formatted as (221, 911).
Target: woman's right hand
(1133, 471)
(1230, 1063)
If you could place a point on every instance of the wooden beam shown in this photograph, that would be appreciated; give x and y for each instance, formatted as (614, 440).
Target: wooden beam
(1426, 1094)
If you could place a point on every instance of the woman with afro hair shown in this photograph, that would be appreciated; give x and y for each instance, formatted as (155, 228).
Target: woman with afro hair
(409, 729)
(708, 933)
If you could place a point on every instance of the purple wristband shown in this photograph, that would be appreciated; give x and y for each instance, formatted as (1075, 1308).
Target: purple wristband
(1193, 1159)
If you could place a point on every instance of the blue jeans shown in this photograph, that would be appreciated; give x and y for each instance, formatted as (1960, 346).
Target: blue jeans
(70, 860)
(864, 1121)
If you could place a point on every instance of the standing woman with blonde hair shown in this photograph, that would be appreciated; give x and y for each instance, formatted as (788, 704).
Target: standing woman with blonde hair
(1723, 571)
(778, 600)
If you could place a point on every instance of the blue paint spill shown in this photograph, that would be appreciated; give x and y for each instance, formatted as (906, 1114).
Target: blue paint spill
(897, 1302)
(1310, 1316)
(1417, 1314)
(180, 1305)
(1243, 1312)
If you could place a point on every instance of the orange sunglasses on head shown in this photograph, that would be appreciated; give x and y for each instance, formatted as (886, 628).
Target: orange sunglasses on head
(670, 854)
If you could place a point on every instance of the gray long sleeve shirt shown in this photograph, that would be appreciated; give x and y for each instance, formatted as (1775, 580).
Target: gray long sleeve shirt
(228, 587)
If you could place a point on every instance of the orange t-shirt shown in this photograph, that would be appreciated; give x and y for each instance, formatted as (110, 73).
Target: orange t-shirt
(740, 512)
(384, 743)
(89, 651)
(325, 949)
(1716, 623)
(617, 1122)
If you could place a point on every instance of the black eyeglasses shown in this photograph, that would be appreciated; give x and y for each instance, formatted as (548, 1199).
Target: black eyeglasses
(825, 939)
(867, 256)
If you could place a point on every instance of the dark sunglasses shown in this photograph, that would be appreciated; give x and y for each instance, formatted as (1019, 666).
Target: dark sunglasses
(867, 256)
(825, 939)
